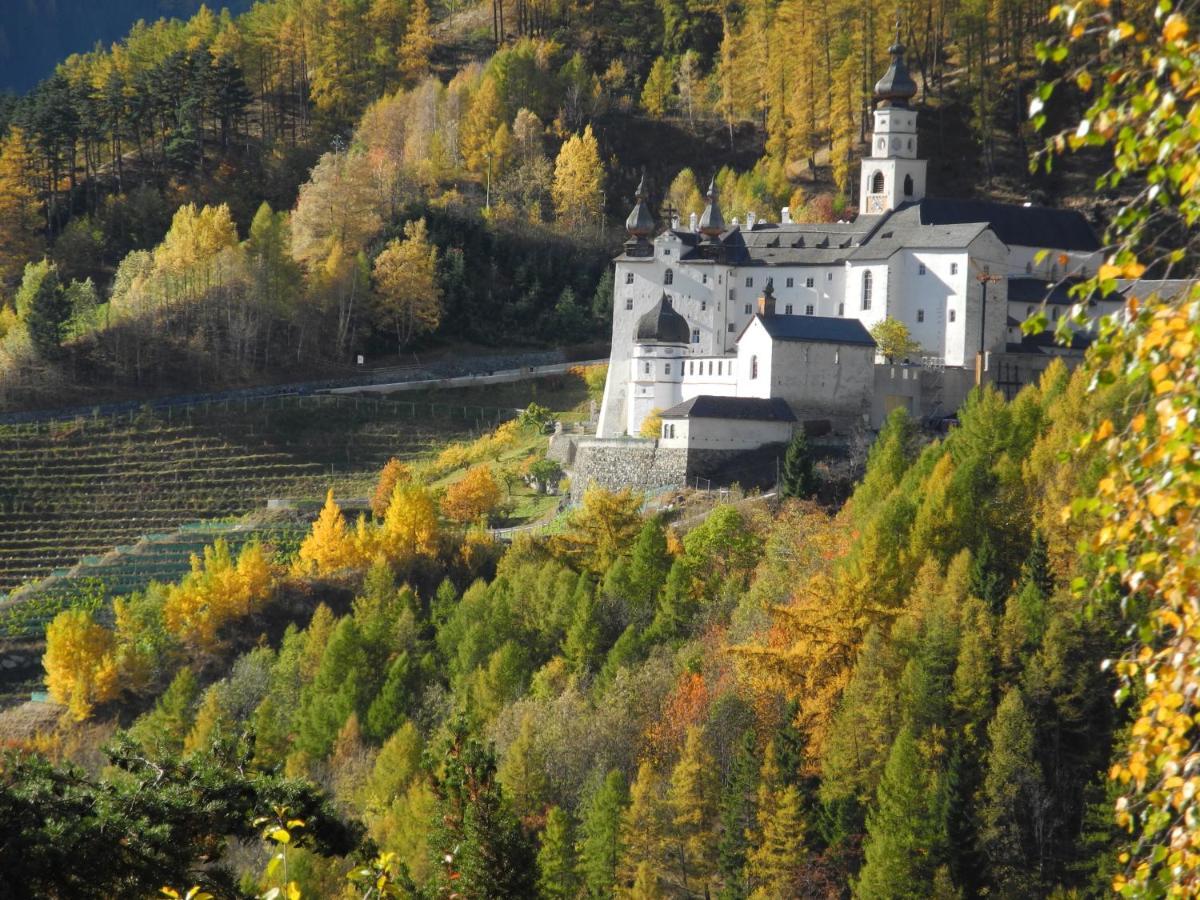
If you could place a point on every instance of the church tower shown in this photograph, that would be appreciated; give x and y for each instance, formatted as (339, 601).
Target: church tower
(892, 174)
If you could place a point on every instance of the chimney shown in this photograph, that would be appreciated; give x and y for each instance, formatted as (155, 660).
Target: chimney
(785, 215)
(766, 303)
(751, 219)
(692, 223)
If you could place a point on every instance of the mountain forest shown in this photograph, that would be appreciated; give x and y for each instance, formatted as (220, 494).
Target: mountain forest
(972, 675)
(166, 214)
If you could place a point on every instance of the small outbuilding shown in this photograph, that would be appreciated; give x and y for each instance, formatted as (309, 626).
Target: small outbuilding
(727, 423)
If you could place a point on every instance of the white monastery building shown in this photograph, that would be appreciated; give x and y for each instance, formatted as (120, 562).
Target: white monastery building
(781, 311)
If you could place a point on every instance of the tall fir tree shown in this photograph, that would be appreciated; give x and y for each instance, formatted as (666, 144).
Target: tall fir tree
(691, 799)
(798, 478)
(600, 847)
(556, 858)
(1012, 803)
(738, 815)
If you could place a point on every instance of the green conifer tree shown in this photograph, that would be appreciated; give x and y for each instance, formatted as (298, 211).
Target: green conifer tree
(648, 567)
(165, 726)
(738, 815)
(906, 832)
(600, 847)
(582, 644)
(798, 478)
(1011, 802)
(392, 704)
(556, 858)
(477, 846)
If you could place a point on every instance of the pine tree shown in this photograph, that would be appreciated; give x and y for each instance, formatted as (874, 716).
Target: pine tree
(648, 565)
(582, 644)
(556, 858)
(20, 238)
(738, 815)
(690, 846)
(328, 546)
(167, 724)
(44, 308)
(478, 848)
(600, 847)
(1011, 803)
(391, 705)
(336, 690)
(906, 832)
(408, 297)
(798, 479)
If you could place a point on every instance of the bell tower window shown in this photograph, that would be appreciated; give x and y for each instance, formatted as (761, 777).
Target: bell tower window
(669, 277)
(877, 183)
(908, 186)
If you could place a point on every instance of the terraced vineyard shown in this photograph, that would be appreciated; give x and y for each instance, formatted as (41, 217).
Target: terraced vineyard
(70, 490)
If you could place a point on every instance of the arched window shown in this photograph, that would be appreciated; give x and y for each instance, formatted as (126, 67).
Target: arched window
(866, 290)
(877, 183)
(669, 278)
(753, 367)
(908, 186)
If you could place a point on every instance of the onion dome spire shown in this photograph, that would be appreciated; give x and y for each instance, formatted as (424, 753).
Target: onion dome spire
(640, 223)
(661, 324)
(712, 223)
(896, 87)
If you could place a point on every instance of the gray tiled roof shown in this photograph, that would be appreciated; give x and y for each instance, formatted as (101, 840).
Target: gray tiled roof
(1016, 225)
(757, 409)
(819, 329)
(894, 235)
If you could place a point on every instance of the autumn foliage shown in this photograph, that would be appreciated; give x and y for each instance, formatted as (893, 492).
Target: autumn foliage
(80, 669)
(475, 495)
(217, 591)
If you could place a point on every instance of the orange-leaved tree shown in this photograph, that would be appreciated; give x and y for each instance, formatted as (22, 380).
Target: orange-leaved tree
(473, 496)
(393, 471)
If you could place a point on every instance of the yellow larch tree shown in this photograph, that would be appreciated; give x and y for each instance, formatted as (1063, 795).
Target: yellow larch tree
(20, 239)
(215, 592)
(410, 528)
(578, 181)
(417, 44)
(79, 664)
(327, 547)
(408, 299)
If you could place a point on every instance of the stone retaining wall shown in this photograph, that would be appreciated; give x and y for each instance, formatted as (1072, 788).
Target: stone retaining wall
(615, 463)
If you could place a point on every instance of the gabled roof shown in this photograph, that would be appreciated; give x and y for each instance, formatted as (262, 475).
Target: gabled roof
(756, 409)
(1016, 225)
(893, 236)
(814, 329)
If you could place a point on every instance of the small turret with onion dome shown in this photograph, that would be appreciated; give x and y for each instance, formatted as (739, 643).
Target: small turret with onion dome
(712, 223)
(640, 224)
(896, 87)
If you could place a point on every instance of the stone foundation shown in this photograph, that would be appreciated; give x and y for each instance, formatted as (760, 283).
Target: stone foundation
(615, 463)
